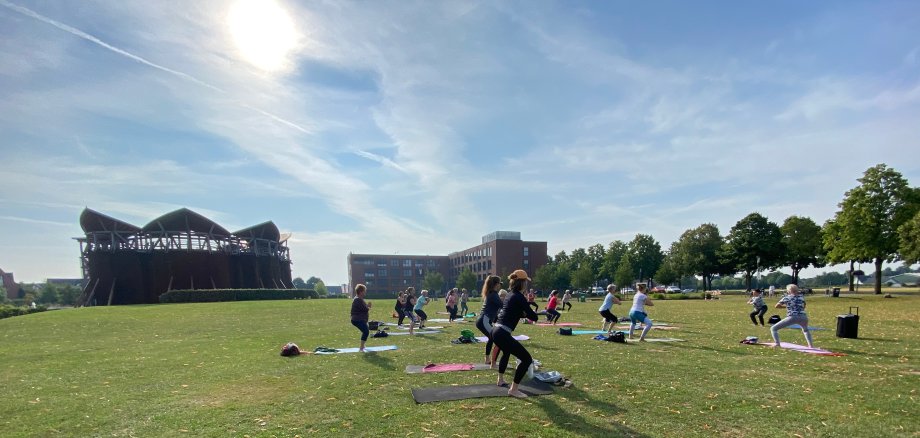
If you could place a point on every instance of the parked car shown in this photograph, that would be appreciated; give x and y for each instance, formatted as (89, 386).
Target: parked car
(688, 290)
(597, 291)
(627, 290)
(672, 289)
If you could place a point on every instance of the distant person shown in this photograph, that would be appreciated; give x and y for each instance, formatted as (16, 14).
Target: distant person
(637, 312)
(360, 313)
(514, 308)
(772, 290)
(760, 308)
(408, 307)
(464, 297)
(400, 308)
(551, 311)
(419, 304)
(532, 300)
(491, 304)
(566, 300)
(609, 300)
(794, 303)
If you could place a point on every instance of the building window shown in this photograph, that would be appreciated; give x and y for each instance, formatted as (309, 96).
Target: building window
(526, 263)
(368, 275)
(407, 272)
(431, 263)
(489, 265)
(394, 262)
(382, 272)
(407, 263)
(526, 251)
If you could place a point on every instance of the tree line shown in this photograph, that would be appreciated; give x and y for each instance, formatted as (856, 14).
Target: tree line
(877, 221)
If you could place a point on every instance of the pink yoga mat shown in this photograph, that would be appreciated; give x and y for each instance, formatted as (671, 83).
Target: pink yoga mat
(560, 324)
(804, 349)
(445, 367)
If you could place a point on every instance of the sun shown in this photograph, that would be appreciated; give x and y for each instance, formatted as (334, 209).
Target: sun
(263, 32)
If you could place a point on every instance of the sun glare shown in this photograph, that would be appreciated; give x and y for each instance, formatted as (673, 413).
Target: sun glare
(263, 32)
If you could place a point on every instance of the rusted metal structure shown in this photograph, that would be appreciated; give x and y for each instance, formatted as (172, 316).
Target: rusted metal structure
(126, 264)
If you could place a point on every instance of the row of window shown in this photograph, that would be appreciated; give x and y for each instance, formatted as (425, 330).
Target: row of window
(407, 263)
(394, 273)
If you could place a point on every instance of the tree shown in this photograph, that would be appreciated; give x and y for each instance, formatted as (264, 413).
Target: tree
(615, 252)
(909, 248)
(803, 244)
(320, 289)
(48, 294)
(753, 243)
(466, 279)
(433, 281)
(3, 297)
(866, 226)
(596, 255)
(299, 283)
(698, 250)
(666, 273)
(311, 282)
(583, 276)
(839, 248)
(645, 255)
(624, 275)
(69, 294)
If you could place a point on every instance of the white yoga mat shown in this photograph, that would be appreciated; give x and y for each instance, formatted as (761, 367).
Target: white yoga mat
(444, 320)
(516, 337)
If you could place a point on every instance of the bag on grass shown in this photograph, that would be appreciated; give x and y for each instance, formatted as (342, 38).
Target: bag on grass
(373, 325)
(565, 331)
(617, 337)
(467, 334)
(750, 340)
(290, 349)
(549, 376)
(774, 319)
(381, 334)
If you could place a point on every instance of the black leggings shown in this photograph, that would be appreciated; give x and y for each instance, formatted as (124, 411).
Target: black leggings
(567, 304)
(453, 312)
(362, 325)
(510, 346)
(485, 326)
(535, 306)
(553, 315)
(759, 312)
(401, 313)
(609, 317)
(422, 316)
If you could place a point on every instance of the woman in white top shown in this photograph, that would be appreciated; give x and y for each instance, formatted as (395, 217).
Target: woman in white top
(637, 312)
(604, 310)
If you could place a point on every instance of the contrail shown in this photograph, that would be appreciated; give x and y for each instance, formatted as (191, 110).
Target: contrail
(79, 33)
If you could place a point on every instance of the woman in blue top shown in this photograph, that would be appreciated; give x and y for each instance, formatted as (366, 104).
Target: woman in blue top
(604, 310)
(419, 303)
(795, 314)
(491, 304)
(514, 308)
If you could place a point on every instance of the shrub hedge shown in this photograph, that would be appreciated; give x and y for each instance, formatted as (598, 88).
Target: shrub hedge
(213, 295)
(7, 311)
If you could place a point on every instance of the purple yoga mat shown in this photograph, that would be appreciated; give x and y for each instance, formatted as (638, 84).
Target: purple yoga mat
(560, 324)
(804, 349)
(445, 367)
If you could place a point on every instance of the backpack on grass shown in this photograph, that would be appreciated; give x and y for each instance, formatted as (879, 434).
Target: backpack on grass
(565, 331)
(774, 319)
(381, 334)
(290, 349)
(617, 337)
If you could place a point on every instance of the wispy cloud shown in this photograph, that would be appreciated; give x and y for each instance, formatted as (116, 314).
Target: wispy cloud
(36, 221)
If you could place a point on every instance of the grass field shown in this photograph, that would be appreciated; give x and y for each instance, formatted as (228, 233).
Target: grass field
(214, 370)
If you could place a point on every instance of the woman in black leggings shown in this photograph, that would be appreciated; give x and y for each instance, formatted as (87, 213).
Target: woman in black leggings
(514, 308)
(400, 308)
(491, 304)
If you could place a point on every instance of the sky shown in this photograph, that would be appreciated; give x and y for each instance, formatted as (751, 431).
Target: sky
(417, 127)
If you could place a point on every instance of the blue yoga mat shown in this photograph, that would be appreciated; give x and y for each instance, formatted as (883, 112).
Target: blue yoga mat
(589, 332)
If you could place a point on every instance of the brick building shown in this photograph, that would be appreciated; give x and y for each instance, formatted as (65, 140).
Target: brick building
(500, 253)
(12, 288)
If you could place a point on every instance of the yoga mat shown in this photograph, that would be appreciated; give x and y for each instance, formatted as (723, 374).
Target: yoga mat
(803, 349)
(798, 327)
(445, 393)
(447, 367)
(560, 324)
(427, 327)
(516, 337)
(589, 332)
(423, 332)
(417, 369)
(443, 320)
(654, 323)
(355, 349)
(656, 340)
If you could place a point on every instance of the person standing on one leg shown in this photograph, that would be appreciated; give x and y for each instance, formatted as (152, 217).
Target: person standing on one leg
(514, 308)
(760, 308)
(794, 303)
(637, 312)
(491, 304)
(566, 298)
(604, 310)
(551, 308)
(360, 313)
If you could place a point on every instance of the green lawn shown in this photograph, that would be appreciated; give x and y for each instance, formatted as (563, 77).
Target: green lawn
(214, 370)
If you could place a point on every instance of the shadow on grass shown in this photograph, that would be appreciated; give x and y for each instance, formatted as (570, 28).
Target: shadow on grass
(575, 423)
(381, 361)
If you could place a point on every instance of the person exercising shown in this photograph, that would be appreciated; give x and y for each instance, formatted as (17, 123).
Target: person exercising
(514, 308)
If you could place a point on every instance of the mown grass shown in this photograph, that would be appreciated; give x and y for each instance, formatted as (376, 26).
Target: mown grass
(214, 370)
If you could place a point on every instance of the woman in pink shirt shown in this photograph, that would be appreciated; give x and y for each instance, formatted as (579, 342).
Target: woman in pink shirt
(452, 305)
(551, 308)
